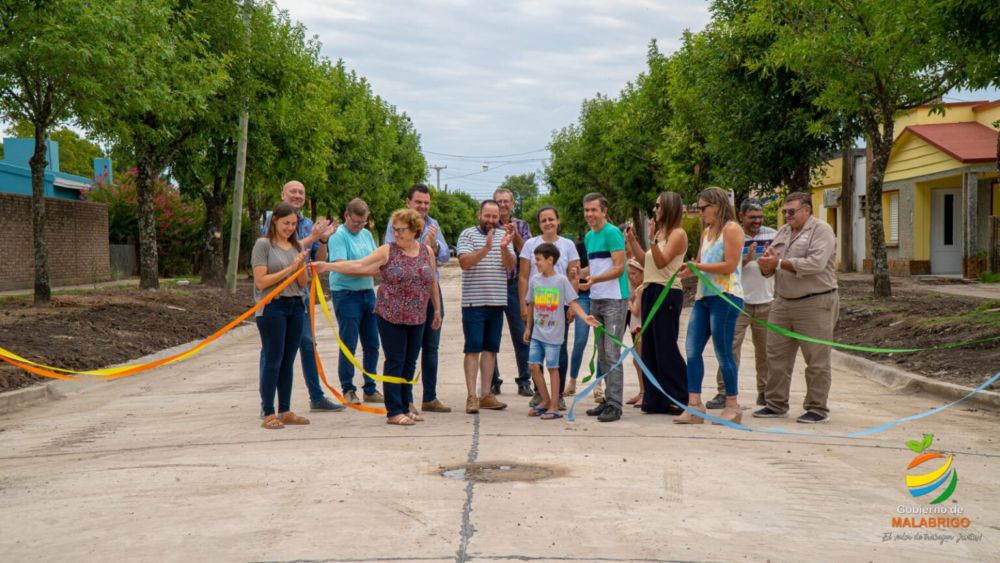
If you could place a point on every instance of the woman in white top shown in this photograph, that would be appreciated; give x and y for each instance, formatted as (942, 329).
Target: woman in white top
(568, 265)
(720, 258)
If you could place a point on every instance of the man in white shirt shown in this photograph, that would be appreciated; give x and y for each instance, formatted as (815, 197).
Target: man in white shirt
(758, 291)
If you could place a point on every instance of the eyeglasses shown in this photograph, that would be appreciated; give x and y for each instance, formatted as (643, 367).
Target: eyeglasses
(702, 208)
(790, 212)
(357, 222)
(400, 230)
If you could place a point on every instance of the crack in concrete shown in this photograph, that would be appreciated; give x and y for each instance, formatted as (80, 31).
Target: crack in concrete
(468, 529)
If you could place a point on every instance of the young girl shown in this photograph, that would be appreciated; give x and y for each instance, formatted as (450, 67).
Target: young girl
(275, 257)
(719, 258)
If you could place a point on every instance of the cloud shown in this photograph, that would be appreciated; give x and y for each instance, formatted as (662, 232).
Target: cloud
(492, 78)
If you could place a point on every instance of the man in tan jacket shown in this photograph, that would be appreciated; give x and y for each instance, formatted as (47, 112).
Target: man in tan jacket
(802, 258)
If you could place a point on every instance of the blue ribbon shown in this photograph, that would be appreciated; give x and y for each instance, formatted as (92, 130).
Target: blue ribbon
(711, 418)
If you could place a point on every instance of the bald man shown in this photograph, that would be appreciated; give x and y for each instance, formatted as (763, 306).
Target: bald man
(314, 237)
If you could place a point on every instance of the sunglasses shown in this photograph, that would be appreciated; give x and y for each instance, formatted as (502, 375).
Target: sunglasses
(790, 212)
(702, 208)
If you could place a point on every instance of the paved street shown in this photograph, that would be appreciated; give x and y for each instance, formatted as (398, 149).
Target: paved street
(172, 465)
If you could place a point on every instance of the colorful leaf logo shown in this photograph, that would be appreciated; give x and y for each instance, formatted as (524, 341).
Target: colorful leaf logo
(920, 485)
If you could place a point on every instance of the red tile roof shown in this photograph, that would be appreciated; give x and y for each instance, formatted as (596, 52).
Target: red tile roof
(966, 142)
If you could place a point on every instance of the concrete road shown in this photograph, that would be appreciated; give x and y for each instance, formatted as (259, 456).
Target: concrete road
(172, 465)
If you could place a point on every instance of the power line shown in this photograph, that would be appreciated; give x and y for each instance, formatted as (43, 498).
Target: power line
(485, 156)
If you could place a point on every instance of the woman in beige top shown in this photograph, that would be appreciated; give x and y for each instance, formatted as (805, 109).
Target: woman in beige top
(668, 244)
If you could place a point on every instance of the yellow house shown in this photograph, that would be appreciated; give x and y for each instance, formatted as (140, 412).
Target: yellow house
(940, 193)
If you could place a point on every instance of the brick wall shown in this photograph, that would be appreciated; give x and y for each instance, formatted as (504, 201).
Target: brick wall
(77, 237)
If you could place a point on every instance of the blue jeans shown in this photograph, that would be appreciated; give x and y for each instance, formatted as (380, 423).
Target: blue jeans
(711, 317)
(543, 353)
(280, 326)
(515, 325)
(401, 346)
(355, 312)
(431, 341)
(581, 335)
(307, 349)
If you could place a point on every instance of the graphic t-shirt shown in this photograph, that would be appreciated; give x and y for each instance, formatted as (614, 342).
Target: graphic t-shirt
(549, 295)
(600, 245)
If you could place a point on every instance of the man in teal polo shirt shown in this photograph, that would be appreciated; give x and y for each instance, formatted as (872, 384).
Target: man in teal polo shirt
(608, 285)
(354, 301)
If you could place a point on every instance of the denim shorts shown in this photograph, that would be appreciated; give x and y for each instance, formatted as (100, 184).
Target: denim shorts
(539, 351)
(482, 327)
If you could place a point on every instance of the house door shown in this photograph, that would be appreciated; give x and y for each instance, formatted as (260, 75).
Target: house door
(946, 236)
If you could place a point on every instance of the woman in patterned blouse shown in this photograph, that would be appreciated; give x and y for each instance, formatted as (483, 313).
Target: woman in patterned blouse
(409, 279)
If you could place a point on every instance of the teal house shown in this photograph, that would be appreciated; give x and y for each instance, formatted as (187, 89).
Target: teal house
(15, 175)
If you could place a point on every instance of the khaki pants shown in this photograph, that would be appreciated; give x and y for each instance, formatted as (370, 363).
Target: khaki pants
(815, 317)
(758, 334)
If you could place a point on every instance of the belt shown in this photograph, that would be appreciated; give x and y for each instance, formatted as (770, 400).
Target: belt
(810, 295)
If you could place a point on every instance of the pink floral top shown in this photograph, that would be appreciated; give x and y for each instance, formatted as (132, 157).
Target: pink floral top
(406, 287)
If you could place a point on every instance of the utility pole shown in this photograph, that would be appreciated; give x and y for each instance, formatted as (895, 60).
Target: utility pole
(241, 168)
(439, 169)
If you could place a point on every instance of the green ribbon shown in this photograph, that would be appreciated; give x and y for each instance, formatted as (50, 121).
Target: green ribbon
(600, 330)
(790, 334)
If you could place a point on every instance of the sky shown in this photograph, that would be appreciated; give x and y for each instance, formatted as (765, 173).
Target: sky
(490, 81)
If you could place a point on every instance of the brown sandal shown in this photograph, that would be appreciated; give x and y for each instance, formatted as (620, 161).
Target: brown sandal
(292, 418)
(400, 420)
(415, 417)
(272, 423)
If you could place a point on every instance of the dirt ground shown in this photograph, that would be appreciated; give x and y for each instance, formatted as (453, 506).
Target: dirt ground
(91, 329)
(917, 317)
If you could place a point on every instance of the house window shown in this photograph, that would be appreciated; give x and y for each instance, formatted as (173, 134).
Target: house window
(890, 215)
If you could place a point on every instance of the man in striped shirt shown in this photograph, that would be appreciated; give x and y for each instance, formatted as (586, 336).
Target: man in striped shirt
(485, 256)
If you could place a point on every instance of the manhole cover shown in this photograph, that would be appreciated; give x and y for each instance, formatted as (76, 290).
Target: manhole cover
(485, 472)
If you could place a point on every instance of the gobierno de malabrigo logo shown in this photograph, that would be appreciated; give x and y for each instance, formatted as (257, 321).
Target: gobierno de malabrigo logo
(930, 483)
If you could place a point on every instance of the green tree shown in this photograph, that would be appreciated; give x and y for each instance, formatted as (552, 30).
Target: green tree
(60, 58)
(973, 25)
(76, 153)
(524, 188)
(760, 126)
(868, 59)
(455, 211)
(153, 118)
(272, 71)
(377, 153)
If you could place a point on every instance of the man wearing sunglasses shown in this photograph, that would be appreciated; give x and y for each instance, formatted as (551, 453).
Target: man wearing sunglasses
(802, 259)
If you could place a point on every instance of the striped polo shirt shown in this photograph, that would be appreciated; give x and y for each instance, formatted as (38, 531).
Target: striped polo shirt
(485, 284)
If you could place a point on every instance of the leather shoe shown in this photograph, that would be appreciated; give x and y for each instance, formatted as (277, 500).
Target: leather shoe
(436, 406)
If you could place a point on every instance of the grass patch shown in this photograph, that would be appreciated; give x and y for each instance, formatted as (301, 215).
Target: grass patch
(990, 277)
(987, 314)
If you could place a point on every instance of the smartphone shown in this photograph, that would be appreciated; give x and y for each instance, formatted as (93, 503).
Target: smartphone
(761, 244)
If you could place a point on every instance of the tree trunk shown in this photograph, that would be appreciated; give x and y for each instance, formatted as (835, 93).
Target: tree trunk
(881, 144)
(43, 291)
(213, 270)
(799, 179)
(146, 174)
(847, 210)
